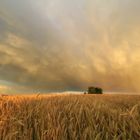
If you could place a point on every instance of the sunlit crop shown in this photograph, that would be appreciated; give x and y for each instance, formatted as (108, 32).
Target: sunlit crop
(70, 117)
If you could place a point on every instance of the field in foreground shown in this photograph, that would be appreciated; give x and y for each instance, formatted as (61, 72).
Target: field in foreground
(70, 117)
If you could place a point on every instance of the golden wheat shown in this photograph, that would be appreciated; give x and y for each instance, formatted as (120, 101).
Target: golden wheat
(70, 117)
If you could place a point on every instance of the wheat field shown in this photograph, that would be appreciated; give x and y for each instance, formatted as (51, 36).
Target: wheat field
(70, 117)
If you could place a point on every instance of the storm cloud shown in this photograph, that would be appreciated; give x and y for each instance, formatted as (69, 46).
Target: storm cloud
(69, 45)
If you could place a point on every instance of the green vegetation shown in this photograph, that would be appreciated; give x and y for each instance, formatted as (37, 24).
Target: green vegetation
(70, 117)
(95, 90)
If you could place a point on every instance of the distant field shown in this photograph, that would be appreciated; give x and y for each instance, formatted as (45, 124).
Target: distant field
(70, 117)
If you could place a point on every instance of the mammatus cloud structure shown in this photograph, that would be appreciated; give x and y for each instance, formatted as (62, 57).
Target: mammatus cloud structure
(69, 45)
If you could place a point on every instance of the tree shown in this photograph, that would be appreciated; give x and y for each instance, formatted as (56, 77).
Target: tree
(95, 90)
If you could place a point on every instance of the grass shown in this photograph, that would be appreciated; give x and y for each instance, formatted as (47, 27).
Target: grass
(70, 117)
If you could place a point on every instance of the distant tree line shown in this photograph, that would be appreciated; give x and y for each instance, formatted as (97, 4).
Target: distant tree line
(94, 90)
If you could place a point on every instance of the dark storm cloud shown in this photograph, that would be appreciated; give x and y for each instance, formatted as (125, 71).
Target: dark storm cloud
(60, 44)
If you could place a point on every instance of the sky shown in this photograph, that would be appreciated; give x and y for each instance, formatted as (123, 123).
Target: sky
(51, 45)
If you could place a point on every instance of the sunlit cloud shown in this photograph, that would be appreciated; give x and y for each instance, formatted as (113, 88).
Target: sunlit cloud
(66, 45)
